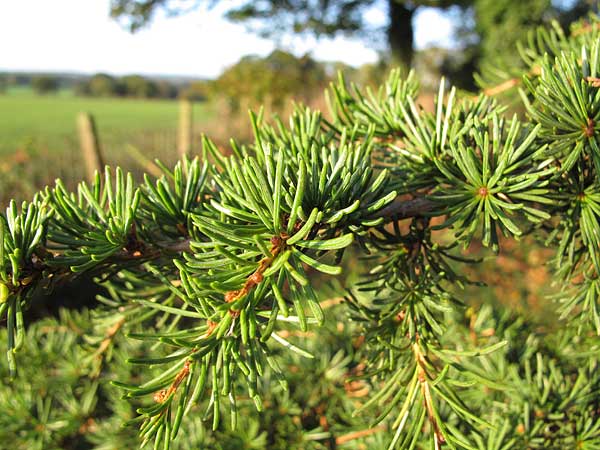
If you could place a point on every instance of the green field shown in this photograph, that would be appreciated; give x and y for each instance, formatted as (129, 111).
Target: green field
(39, 142)
(47, 123)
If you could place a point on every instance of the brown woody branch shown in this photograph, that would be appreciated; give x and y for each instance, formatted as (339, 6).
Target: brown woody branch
(510, 83)
(161, 396)
(504, 86)
(105, 344)
(587, 28)
(426, 393)
(277, 244)
(399, 209)
(358, 434)
(594, 81)
(405, 209)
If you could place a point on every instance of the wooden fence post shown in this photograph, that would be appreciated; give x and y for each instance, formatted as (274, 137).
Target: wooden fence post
(185, 133)
(90, 145)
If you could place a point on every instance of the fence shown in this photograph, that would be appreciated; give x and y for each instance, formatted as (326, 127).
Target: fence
(32, 168)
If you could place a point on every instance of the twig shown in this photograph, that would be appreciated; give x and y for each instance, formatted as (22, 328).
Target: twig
(594, 81)
(587, 28)
(109, 336)
(425, 391)
(161, 396)
(504, 86)
(510, 83)
(177, 246)
(277, 244)
(404, 209)
(325, 304)
(358, 434)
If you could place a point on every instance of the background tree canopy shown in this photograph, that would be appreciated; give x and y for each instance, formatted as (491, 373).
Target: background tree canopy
(44, 84)
(488, 28)
(275, 78)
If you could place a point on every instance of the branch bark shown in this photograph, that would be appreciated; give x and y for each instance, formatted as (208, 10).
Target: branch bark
(405, 209)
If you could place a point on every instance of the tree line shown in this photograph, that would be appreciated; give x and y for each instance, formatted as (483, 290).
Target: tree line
(275, 78)
(97, 85)
(134, 86)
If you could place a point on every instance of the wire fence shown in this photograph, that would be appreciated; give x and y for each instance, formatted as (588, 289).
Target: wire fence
(32, 167)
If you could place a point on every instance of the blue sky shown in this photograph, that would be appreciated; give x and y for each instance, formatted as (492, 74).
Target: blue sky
(78, 35)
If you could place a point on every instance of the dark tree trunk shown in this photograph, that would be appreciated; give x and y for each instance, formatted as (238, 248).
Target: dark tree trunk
(400, 33)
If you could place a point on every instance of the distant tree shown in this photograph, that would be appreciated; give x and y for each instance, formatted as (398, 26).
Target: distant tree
(3, 83)
(274, 79)
(197, 91)
(138, 87)
(100, 85)
(164, 89)
(21, 79)
(82, 88)
(44, 84)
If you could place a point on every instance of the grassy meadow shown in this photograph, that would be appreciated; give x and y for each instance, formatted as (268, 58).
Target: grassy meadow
(39, 142)
(48, 121)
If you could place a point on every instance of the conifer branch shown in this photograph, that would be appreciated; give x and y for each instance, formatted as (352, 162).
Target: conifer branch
(209, 265)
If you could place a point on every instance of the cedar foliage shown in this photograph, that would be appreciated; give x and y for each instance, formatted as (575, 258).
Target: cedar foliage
(212, 308)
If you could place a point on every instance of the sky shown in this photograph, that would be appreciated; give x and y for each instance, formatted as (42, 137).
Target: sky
(79, 36)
